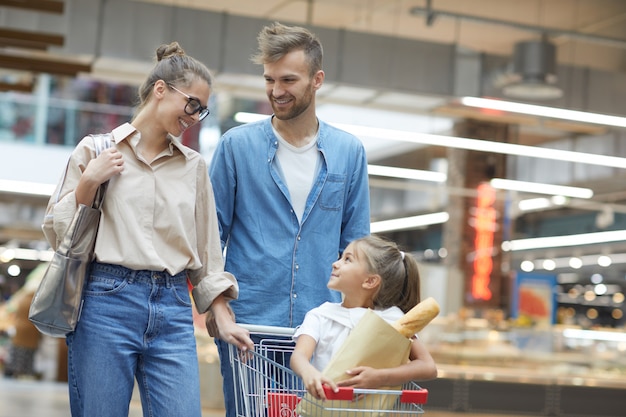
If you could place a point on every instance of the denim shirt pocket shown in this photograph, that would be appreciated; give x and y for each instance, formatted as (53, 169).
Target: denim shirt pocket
(332, 194)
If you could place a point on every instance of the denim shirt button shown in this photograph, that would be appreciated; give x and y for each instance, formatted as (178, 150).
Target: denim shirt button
(297, 267)
(299, 237)
(295, 296)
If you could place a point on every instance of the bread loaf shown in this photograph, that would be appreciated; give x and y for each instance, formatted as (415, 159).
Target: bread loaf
(417, 318)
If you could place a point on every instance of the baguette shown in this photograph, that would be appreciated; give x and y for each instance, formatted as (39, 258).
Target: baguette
(417, 318)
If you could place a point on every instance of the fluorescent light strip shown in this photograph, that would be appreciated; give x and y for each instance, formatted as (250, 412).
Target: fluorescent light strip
(465, 143)
(499, 183)
(543, 111)
(406, 223)
(567, 240)
(245, 117)
(539, 188)
(617, 336)
(485, 146)
(25, 187)
(542, 203)
(9, 254)
(534, 204)
(411, 174)
(472, 144)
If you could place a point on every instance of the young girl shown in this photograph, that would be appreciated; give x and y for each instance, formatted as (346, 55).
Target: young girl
(371, 274)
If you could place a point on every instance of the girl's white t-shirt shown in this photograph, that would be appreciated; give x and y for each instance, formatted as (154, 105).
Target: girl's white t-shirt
(330, 324)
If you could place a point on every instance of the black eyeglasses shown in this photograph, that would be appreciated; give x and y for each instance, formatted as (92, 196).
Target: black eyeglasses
(193, 105)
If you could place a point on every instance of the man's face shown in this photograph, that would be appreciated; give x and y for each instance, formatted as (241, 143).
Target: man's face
(289, 87)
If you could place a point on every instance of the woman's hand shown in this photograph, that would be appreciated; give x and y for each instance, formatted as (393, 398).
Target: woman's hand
(98, 170)
(109, 163)
(220, 323)
(234, 334)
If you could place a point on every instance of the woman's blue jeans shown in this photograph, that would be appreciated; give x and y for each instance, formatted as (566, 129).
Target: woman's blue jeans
(134, 325)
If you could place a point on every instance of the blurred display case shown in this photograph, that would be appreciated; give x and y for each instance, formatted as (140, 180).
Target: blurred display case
(493, 366)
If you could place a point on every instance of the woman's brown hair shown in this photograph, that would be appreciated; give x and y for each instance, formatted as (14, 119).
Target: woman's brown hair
(174, 67)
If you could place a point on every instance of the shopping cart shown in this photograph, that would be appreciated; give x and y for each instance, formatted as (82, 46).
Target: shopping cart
(266, 387)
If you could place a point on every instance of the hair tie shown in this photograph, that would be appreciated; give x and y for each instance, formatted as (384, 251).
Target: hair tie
(405, 281)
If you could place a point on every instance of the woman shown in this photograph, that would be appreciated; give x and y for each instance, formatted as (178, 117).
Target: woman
(158, 231)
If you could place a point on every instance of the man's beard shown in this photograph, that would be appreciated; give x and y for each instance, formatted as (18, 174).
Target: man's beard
(298, 106)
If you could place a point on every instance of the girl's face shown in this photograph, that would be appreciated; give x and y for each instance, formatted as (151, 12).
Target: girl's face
(180, 101)
(349, 272)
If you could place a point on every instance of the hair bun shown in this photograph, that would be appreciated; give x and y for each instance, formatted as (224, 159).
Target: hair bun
(168, 51)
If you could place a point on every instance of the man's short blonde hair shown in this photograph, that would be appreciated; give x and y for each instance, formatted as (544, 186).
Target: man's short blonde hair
(277, 40)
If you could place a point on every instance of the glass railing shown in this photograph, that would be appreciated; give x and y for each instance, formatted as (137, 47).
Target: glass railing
(41, 120)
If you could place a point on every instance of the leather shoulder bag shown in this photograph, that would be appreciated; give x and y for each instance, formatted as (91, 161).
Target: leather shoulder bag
(55, 308)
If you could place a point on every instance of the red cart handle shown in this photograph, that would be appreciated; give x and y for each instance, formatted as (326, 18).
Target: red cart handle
(419, 396)
(344, 393)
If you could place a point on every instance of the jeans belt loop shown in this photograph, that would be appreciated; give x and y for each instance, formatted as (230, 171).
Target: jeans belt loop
(131, 277)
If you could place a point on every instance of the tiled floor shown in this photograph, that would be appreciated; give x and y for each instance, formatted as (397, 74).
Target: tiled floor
(26, 398)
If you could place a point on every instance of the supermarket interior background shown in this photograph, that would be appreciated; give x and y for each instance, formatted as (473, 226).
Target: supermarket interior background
(496, 139)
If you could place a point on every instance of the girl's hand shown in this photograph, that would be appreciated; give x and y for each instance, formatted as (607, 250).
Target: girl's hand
(300, 363)
(314, 383)
(363, 377)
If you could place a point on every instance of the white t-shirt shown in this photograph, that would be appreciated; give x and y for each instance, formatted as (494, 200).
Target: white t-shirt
(330, 324)
(299, 167)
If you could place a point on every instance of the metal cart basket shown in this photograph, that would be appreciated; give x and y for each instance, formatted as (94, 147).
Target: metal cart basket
(265, 386)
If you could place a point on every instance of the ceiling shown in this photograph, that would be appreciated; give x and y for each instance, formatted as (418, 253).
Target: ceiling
(586, 33)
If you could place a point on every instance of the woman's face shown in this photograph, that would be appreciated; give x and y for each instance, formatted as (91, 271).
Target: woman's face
(181, 100)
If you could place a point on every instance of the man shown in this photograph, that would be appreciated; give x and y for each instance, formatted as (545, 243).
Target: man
(291, 193)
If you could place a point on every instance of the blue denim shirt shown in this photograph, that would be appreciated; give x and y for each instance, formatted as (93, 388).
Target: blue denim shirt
(282, 265)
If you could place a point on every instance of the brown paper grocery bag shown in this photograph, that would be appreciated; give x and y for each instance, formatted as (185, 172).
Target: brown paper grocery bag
(373, 342)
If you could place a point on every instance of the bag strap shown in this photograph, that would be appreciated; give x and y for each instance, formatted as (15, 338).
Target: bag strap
(100, 142)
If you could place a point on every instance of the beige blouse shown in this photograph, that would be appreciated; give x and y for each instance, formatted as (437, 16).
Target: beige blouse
(157, 216)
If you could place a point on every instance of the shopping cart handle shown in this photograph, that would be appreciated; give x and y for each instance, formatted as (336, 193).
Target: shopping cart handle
(419, 396)
(344, 393)
(267, 330)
